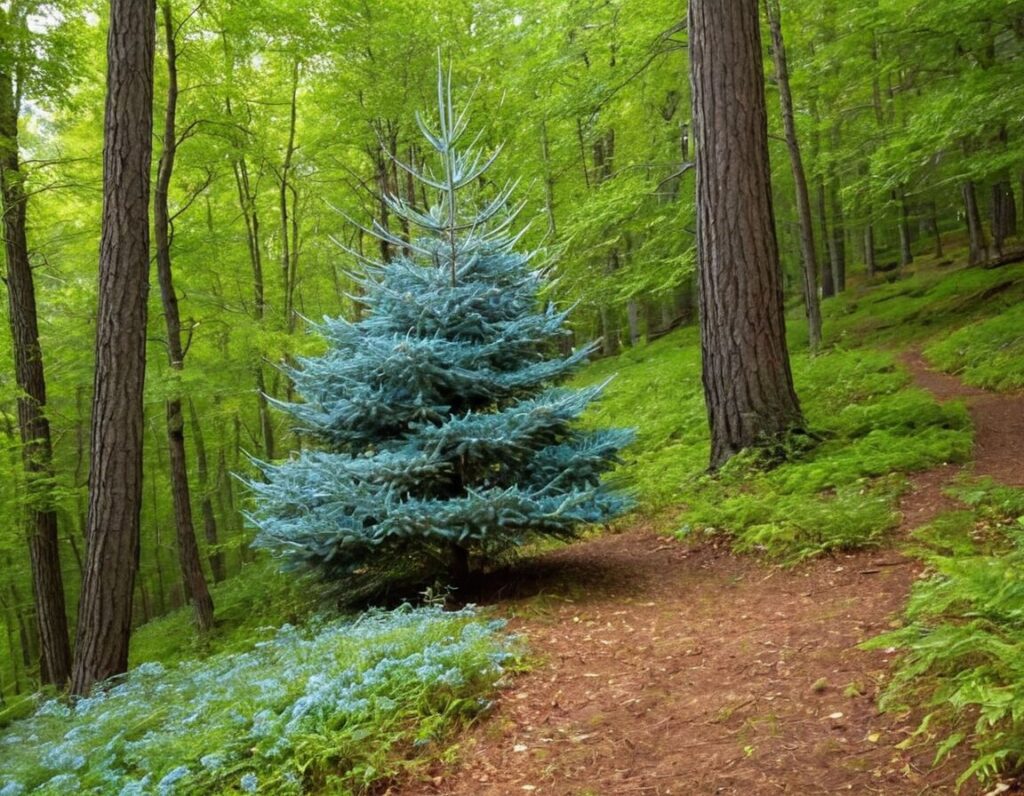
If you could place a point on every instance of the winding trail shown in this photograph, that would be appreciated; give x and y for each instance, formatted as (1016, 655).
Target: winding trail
(668, 670)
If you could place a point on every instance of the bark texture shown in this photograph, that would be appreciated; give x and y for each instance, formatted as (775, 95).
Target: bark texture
(36, 447)
(748, 385)
(115, 477)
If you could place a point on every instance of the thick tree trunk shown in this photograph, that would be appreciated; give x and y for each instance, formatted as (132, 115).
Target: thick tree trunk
(748, 385)
(188, 551)
(115, 477)
(808, 252)
(977, 245)
(36, 446)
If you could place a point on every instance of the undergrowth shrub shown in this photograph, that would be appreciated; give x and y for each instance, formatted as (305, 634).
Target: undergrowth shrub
(335, 706)
(963, 642)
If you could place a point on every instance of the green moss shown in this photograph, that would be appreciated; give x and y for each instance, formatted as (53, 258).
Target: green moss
(987, 353)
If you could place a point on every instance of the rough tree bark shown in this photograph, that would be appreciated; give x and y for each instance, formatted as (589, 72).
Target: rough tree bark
(115, 477)
(748, 385)
(188, 551)
(808, 253)
(36, 447)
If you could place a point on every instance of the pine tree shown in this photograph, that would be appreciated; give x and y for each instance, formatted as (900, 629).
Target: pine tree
(441, 440)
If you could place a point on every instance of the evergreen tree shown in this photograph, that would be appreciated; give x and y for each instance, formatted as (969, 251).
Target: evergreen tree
(441, 438)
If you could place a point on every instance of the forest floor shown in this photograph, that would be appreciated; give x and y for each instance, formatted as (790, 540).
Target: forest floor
(664, 668)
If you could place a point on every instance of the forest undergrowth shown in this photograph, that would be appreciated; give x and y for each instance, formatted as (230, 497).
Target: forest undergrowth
(280, 698)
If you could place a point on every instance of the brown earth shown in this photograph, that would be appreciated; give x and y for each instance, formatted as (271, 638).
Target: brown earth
(663, 669)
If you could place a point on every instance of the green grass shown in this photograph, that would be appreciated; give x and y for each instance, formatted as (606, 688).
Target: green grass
(838, 494)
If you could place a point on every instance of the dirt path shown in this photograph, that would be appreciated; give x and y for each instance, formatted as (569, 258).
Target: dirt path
(665, 670)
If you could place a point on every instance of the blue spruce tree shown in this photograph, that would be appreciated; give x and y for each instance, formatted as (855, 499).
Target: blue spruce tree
(441, 440)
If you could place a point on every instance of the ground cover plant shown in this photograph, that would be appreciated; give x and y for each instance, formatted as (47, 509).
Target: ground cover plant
(963, 642)
(335, 705)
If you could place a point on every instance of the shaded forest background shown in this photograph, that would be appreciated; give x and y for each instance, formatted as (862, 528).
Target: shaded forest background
(907, 113)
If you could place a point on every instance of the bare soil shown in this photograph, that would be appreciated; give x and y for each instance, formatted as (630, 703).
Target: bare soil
(663, 669)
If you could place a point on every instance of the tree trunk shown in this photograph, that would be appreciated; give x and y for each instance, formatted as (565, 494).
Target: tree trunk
(214, 553)
(808, 253)
(977, 245)
(36, 446)
(115, 476)
(633, 320)
(188, 551)
(828, 288)
(934, 224)
(289, 244)
(1004, 214)
(837, 241)
(906, 253)
(869, 250)
(748, 386)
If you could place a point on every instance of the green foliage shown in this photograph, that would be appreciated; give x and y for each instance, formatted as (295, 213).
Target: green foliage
(339, 706)
(987, 353)
(837, 494)
(963, 642)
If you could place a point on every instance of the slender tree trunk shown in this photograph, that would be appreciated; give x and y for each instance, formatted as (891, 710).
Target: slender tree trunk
(188, 551)
(633, 320)
(808, 252)
(837, 241)
(215, 555)
(869, 250)
(906, 253)
(288, 243)
(1004, 214)
(934, 223)
(977, 245)
(115, 476)
(36, 446)
(827, 285)
(748, 386)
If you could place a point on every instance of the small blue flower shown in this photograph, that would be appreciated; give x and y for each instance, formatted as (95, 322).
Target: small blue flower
(250, 783)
